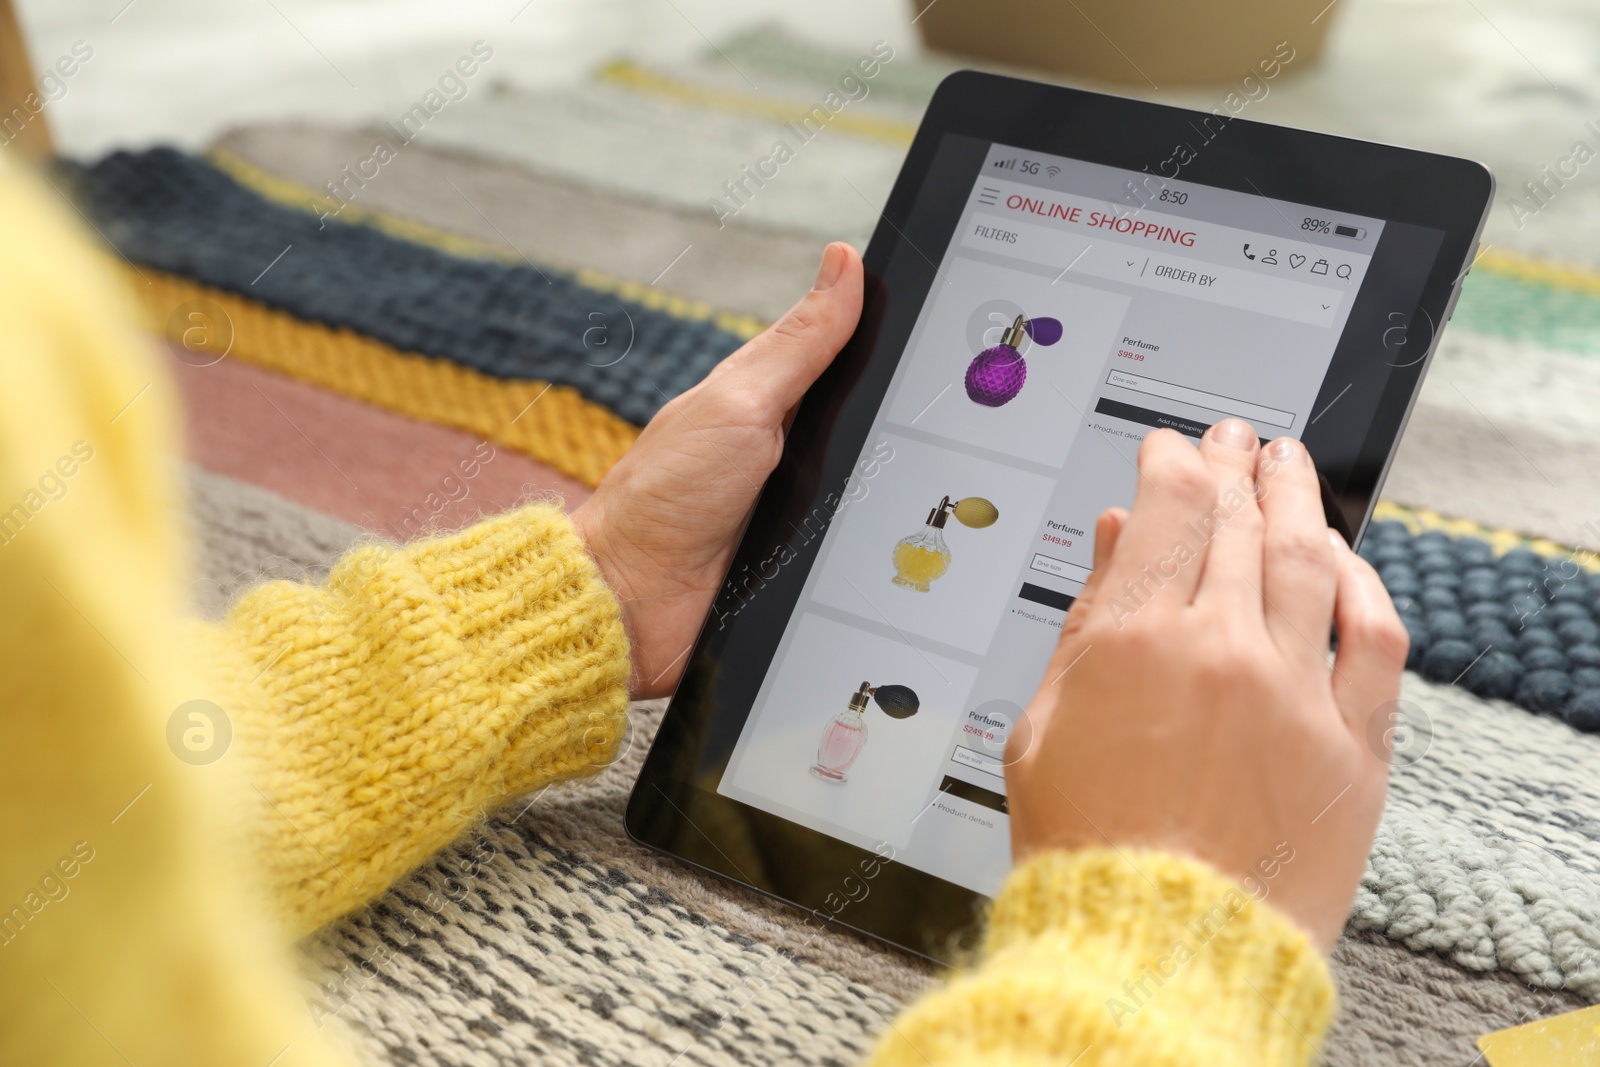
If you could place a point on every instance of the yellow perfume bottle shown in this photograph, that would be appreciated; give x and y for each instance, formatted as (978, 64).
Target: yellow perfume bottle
(923, 557)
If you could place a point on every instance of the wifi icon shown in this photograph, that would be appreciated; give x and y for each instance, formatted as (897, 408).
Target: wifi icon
(1052, 170)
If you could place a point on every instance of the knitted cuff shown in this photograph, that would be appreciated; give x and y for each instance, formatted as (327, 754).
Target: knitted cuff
(384, 713)
(1168, 937)
(543, 630)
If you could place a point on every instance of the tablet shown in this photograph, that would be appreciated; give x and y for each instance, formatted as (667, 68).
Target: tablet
(1055, 274)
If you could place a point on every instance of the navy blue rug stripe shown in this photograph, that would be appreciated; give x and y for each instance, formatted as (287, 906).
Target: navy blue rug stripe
(177, 213)
(1521, 627)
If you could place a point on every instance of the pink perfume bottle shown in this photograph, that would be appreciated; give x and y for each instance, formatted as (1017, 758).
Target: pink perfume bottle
(846, 733)
(996, 375)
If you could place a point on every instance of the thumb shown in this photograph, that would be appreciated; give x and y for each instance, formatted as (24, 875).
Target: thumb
(778, 365)
(1107, 530)
(1372, 640)
(1070, 646)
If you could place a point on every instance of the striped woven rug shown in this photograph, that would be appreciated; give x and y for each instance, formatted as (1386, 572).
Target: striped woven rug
(506, 290)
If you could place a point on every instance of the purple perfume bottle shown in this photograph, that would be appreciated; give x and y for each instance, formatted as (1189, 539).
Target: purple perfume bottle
(996, 375)
(846, 733)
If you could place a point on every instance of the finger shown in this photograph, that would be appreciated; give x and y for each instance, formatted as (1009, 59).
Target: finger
(1232, 575)
(1107, 530)
(1069, 647)
(775, 368)
(1372, 640)
(1156, 557)
(1299, 574)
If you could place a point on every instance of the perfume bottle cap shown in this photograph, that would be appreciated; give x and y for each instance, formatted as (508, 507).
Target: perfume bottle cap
(1041, 331)
(1013, 336)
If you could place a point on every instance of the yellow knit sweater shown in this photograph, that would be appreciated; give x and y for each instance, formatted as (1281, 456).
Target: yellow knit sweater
(152, 879)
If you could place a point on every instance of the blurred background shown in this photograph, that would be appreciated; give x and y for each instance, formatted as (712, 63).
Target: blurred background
(1509, 82)
(182, 70)
(579, 172)
(1491, 75)
(410, 263)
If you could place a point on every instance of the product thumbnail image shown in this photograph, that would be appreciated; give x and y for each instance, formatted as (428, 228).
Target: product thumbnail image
(846, 733)
(996, 375)
(923, 557)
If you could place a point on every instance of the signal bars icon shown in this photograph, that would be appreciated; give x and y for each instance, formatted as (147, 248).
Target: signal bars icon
(1033, 168)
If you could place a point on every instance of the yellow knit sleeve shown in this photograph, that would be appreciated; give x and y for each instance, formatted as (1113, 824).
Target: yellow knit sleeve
(1131, 957)
(126, 934)
(382, 712)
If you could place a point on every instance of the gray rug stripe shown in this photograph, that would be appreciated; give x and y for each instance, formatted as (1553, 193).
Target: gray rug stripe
(506, 949)
(1489, 848)
(658, 149)
(1405, 1009)
(586, 818)
(244, 535)
(1455, 462)
(552, 219)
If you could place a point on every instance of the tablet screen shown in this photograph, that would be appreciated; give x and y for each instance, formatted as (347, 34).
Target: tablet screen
(1076, 307)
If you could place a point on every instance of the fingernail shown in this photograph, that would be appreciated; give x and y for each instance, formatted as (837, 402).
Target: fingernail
(832, 266)
(1288, 450)
(1233, 433)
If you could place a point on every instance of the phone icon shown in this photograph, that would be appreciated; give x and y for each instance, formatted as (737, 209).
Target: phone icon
(1247, 254)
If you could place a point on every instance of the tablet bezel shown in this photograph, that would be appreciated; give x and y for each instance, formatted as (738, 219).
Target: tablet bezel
(674, 806)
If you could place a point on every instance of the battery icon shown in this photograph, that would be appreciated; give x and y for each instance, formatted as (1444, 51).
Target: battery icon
(1350, 231)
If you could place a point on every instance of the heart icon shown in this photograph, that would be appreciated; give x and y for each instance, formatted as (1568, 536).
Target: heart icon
(1296, 260)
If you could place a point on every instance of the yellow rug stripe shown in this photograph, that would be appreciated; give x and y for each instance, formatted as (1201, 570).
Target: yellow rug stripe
(1418, 520)
(631, 75)
(552, 423)
(292, 194)
(1529, 269)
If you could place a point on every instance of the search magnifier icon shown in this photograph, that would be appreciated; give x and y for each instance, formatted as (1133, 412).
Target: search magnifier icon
(1342, 270)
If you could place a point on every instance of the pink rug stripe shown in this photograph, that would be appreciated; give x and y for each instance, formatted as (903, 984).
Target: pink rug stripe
(390, 474)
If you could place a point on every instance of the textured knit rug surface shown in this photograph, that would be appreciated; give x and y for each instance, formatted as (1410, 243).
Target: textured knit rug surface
(549, 937)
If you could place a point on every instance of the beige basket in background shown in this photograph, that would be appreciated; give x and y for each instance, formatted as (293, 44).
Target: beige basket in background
(1152, 43)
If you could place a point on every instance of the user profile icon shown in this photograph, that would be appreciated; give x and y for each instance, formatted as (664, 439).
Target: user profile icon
(1271, 258)
(1343, 270)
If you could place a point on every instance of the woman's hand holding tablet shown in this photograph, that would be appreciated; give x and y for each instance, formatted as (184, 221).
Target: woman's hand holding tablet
(664, 522)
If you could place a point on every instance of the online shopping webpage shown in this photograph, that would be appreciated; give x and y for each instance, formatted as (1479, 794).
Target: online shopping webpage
(1076, 308)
